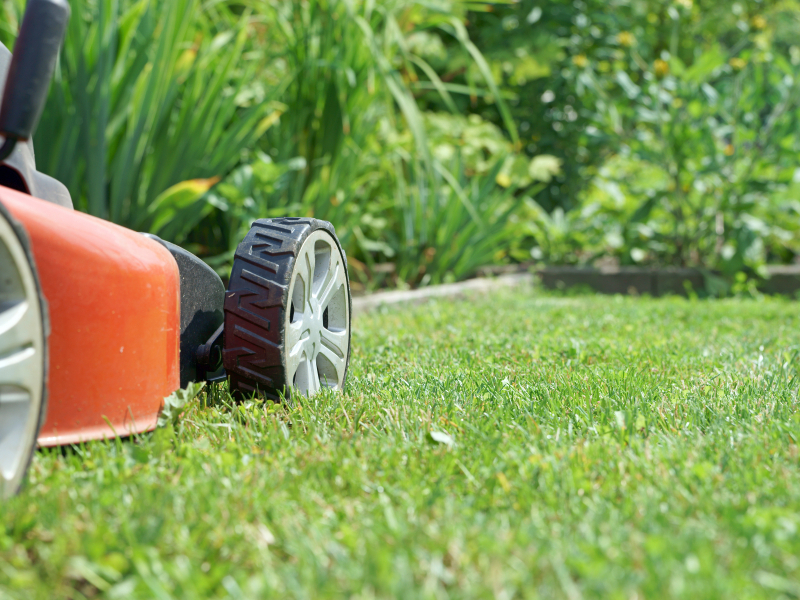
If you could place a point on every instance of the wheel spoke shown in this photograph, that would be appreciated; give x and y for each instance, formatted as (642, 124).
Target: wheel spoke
(337, 361)
(14, 436)
(19, 364)
(308, 264)
(294, 346)
(298, 298)
(313, 377)
(19, 327)
(294, 334)
(335, 341)
(22, 369)
(333, 263)
(333, 281)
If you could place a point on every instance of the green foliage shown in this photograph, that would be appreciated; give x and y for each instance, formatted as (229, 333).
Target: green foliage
(526, 47)
(177, 402)
(350, 145)
(461, 226)
(581, 448)
(638, 131)
(676, 123)
(147, 95)
(304, 108)
(704, 147)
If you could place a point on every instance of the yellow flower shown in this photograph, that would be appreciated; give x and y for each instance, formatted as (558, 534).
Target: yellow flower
(503, 180)
(661, 68)
(625, 38)
(737, 63)
(729, 150)
(580, 60)
(186, 60)
(759, 22)
(504, 482)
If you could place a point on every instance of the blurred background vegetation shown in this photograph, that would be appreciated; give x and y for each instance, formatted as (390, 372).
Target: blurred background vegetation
(438, 136)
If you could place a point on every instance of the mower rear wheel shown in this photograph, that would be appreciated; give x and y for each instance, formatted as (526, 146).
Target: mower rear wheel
(287, 310)
(23, 355)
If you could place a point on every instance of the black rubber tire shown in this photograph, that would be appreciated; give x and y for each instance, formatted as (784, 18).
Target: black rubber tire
(22, 236)
(256, 302)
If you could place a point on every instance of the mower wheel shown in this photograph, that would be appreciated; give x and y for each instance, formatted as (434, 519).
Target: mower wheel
(287, 310)
(23, 355)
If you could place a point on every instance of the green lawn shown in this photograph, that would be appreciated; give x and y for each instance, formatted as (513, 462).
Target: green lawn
(595, 447)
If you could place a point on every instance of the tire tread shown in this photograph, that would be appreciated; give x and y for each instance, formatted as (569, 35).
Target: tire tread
(256, 301)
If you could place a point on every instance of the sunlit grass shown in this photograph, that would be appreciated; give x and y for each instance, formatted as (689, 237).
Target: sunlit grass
(594, 447)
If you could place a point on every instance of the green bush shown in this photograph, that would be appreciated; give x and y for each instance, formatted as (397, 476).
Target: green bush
(192, 120)
(675, 121)
(351, 145)
(644, 131)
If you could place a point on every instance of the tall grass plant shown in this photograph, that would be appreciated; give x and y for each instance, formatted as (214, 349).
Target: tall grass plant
(148, 95)
(351, 145)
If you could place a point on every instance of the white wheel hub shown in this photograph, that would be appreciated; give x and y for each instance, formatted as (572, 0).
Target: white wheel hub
(317, 327)
(21, 360)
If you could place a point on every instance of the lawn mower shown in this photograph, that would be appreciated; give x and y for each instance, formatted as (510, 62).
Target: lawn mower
(98, 323)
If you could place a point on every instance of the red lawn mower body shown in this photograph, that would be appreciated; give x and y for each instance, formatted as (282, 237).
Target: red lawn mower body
(113, 297)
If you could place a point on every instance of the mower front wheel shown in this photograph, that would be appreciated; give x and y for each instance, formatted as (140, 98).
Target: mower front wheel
(287, 310)
(23, 355)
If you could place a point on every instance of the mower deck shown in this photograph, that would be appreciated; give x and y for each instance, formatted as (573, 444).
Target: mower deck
(114, 302)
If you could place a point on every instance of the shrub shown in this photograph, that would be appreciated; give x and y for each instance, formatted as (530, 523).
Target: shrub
(351, 145)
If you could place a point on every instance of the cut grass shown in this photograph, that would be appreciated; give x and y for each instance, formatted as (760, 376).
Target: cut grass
(582, 447)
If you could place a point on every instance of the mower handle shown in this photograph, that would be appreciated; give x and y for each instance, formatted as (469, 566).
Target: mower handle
(32, 64)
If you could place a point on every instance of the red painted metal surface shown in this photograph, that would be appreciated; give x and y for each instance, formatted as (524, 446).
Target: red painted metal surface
(114, 303)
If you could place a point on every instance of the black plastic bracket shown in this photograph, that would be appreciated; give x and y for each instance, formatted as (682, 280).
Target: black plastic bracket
(209, 358)
(202, 299)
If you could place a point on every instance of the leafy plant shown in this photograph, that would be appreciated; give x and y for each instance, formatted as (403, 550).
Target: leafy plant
(708, 146)
(694, 107)
(463, 224)
(148, 95)
(193, 120)
(351, 144)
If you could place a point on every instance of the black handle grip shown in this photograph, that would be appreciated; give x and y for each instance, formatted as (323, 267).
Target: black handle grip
(35, 54)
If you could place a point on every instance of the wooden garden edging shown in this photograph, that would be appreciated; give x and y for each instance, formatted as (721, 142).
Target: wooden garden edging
(783, 279)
